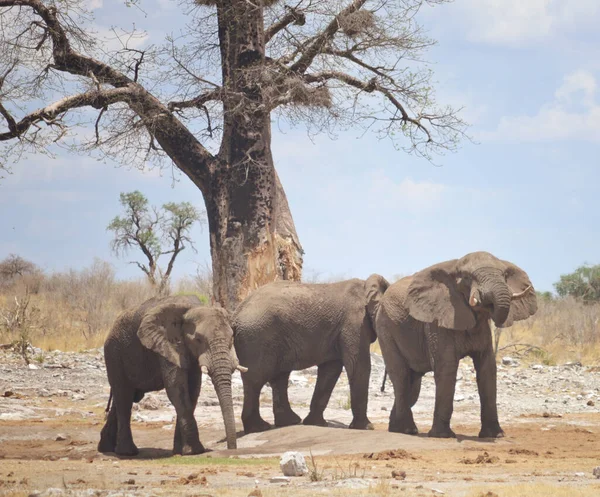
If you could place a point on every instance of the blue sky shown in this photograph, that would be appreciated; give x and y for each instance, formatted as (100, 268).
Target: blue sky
(527, 190)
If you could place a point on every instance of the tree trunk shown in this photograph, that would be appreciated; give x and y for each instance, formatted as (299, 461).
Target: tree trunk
(253, 239)
(252, 235)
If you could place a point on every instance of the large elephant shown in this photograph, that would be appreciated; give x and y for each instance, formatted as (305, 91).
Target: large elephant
(286, 326)
(429, 321)
(168, 343)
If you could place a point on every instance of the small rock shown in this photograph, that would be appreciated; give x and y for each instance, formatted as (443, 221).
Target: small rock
(60, 437)
(293, 464)
(9, 393)
(383, 408)
(131, 481)
(509, 361)
(580, 397)
(437, 491)
(459, 398)
(398, 475)
(591, 403)
(579, 473)
(255, 493)
(32, 366)
(596, 472)
(537, 367)
(280, 479)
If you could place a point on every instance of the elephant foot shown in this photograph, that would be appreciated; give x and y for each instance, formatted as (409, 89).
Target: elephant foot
(493, 432)
(190, 450)
(361, 424)
(288, 418)
(105, 445)
(256, 426)
(128, 449)
(315, 420)
(405, 428)
(443, 432)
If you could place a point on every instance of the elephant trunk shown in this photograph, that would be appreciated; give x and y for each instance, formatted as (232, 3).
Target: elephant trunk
(495, 291)
(220, 373)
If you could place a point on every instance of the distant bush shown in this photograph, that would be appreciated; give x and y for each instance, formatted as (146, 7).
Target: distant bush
(583, 283)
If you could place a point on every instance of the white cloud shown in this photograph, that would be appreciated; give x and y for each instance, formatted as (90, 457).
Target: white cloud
(407, 195)
(94, 4)
(574, 114)
(514, 22)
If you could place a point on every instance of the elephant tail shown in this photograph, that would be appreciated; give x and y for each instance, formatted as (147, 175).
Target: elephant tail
(108, 404)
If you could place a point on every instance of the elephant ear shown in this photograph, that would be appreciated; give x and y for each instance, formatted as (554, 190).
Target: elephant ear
(375, 287)
(433, 295)
(522, 305)
(161, 330)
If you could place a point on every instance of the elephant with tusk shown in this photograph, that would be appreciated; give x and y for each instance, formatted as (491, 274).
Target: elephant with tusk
(168, 343)
(429, 321)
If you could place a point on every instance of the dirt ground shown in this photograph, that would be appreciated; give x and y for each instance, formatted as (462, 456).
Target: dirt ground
(48, 447)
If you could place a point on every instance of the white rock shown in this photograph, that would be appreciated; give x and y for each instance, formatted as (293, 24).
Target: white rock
(280, 479)
(293, 464)
(508, 361)
(537, 367)
(32, 366)
(579, 473)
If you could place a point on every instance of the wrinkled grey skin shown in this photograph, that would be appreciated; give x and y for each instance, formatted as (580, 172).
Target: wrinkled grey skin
(429, 321)
(166, 343)
(286, 326)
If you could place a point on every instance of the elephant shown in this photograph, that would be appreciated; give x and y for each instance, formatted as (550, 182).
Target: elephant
(431, 320)
(286, 326)
(168, 343)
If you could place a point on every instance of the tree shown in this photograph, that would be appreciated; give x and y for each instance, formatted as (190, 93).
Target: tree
(14, 265)
(583, 283)
(206, 99)
(154, 232)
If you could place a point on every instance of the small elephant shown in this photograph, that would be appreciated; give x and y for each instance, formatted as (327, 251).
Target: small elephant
(429, 321)
(168, 343)
(286, 326)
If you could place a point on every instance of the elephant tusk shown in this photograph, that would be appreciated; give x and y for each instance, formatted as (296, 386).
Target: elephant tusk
(519, 295)
(204, 369)
(474, 301)
(241, 369)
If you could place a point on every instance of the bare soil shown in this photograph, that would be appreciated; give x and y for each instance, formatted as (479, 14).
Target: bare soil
(50, 420)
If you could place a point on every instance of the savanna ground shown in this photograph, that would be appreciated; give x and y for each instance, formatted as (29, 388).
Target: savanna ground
(51, 413)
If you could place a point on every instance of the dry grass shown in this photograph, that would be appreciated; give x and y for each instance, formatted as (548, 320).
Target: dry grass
(564, 330)
(74, 310)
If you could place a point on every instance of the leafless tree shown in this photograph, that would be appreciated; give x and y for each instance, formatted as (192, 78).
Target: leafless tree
(206, 99)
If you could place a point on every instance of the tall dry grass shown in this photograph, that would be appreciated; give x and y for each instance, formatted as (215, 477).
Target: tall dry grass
(74, 310)
(564, 329)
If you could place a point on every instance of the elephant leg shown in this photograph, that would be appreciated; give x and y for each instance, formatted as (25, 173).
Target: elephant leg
(358, 368)
(485, 369)
(108, 435)
(177, 387)
(194, 385)
(327, 376)
(123, 397)
(415, 387)
(284, 415)
(406, 388)
(405, 384)
(445, 384)
(251, 418)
